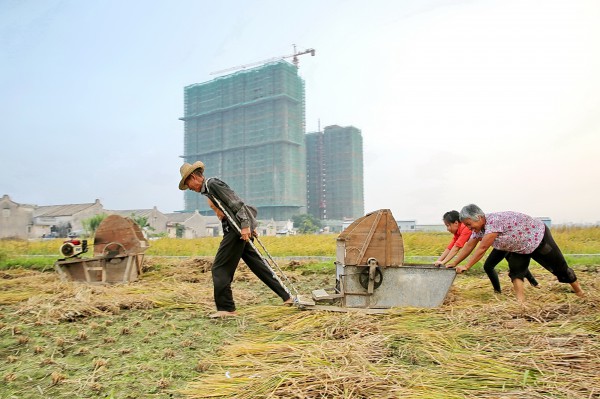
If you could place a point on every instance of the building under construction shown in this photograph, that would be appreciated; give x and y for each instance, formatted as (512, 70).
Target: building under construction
(335, 173)
(248, 129)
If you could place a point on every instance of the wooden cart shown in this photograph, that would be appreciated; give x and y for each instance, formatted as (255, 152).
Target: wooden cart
(119, 246)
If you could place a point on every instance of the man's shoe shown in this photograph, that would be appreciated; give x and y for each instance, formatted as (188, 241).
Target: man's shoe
(221, 314)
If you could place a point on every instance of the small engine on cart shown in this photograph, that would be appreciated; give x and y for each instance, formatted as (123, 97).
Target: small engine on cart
(73, 247)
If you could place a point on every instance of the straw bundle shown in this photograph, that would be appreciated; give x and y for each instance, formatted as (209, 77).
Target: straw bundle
(299, 366)
(46, 298)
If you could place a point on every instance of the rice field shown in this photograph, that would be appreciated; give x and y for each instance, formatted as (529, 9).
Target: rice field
(153, 339)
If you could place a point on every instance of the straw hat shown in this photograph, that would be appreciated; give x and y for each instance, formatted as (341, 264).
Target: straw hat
(186, 170)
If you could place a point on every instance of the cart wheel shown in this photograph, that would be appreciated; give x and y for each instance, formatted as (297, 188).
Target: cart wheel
(113, 249)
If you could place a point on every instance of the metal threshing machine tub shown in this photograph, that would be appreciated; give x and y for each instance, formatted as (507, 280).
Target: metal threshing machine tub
(371, 274)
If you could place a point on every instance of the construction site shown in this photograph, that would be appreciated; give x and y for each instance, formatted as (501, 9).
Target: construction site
(248, 127)
(335, 187)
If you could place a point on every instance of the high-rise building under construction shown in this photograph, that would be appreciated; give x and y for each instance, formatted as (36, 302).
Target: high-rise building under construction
(335, 173)
(248, 128)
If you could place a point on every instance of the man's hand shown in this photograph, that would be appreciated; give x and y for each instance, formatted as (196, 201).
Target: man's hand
(461, 269)
(246, 234)
(438, 263)
(450, 265)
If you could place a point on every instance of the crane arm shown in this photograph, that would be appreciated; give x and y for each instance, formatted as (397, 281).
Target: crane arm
(310, 51)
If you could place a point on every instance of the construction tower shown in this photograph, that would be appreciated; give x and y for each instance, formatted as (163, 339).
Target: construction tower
(335, 187)
(248, 129)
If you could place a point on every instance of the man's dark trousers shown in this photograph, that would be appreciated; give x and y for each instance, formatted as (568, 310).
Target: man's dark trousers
(231, 250)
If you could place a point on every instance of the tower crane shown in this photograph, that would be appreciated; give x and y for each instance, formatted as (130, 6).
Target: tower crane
(294, 57)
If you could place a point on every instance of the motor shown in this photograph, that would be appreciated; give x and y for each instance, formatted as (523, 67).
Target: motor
(73, 248)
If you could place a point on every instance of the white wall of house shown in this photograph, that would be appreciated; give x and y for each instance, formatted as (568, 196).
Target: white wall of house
(194, 224)
(158, 221)
(16, 220)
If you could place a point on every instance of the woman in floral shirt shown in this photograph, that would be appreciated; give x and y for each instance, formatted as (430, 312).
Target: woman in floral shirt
(462, 234)
(523, 238)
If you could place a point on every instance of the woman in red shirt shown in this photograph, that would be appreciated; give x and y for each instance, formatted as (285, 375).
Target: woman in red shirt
(461, 236)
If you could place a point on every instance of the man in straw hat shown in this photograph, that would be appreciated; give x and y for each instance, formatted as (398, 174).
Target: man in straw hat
(235, 244)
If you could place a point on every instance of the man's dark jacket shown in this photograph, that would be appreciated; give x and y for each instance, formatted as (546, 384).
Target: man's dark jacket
(229, 202)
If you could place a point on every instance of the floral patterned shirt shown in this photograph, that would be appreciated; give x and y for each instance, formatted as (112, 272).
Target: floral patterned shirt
(517, 232)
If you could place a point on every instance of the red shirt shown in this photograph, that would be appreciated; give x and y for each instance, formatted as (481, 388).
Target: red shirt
(461, 237)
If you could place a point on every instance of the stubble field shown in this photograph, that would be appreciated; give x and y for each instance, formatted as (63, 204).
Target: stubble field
(153, 339)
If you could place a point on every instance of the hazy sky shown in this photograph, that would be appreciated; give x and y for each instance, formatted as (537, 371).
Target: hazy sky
(491, 102)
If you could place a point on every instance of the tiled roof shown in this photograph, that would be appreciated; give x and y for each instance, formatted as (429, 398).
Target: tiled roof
(178, 217)
(129, 212)
(60, 210)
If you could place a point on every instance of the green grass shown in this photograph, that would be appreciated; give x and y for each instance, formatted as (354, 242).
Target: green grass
(41, 263)
(326, 268)
(130, 355)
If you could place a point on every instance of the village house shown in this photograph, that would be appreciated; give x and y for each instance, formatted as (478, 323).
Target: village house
(25, 221)
(156, 220)
(272, 227)
(60, 220)
(16, 220)
(192, 225)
